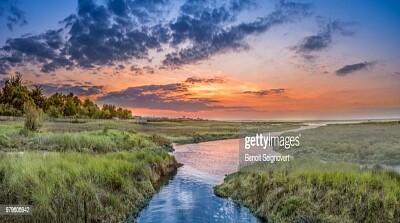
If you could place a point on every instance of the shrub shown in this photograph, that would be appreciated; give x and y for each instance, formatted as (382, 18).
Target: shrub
(162, 141)
(105, 129)
(34, 117)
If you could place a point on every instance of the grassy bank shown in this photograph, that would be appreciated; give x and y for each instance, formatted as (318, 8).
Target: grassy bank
(369, 143)
(16, 138)
(60, 185)
(161, 133)
(102, 174)
(311, 191)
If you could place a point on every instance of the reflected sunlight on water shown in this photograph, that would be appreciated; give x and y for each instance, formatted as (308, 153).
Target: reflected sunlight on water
(189, 197)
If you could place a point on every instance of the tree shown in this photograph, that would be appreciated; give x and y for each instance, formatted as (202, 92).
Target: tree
(69, 108)
(123, 113)
(91, 108)
(54, 112)
(14, 94)
(38, 97)
(56, 100)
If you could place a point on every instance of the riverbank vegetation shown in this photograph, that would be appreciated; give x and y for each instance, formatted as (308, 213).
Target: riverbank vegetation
(364, 143)
(308, 190)
(337, 174)
(16, 138)
(74, 187)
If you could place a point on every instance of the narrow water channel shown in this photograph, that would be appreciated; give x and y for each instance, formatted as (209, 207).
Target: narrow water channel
(188, 196)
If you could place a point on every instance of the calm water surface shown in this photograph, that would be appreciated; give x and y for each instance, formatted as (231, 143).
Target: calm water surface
(189, 197)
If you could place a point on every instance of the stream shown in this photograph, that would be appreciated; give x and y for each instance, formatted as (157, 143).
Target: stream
(189, 196)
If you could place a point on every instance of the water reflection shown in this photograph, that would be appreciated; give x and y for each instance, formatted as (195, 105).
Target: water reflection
(189, 197)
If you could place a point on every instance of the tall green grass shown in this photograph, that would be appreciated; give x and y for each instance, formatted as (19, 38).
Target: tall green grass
(94, 141)
(311, 191)
(60, 185)
(108, 136)
(365, 143)
(98, 141)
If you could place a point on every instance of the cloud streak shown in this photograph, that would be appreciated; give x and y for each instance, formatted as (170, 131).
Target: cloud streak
(80, 90)
(196, 80)
(262, 93)
(175, 96)
(323, 39)
(13, 15)
(351, 68)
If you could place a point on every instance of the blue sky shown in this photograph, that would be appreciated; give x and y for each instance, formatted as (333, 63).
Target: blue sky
(250, 59)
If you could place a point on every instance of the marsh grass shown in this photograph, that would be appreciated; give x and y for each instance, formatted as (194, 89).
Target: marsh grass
(109, 135)
(110, 169)
(98, 141)
(59, 185)
(162, 141)
(365, 143)
(16, 138)
(311, 191)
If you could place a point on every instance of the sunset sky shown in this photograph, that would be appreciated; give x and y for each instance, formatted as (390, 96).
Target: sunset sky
(227, 59)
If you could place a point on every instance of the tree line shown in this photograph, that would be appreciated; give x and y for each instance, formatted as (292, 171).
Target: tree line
(14, 95)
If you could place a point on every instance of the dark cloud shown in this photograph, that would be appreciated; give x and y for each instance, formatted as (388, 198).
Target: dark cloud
(324, 38)
(136, 70)
(80, 90)
(13, 15)
(96, 35)
(206, 30)
(120, 67)
(261, 93)
(148, 69)
(316, 42)
(194, 80)
(140, 71)
(344, 71)
(57, 63)
(102, 36)
(165, 97)
(40, 49)
(239, 5)
(121, 30)
(309, 57)
(4, 67)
